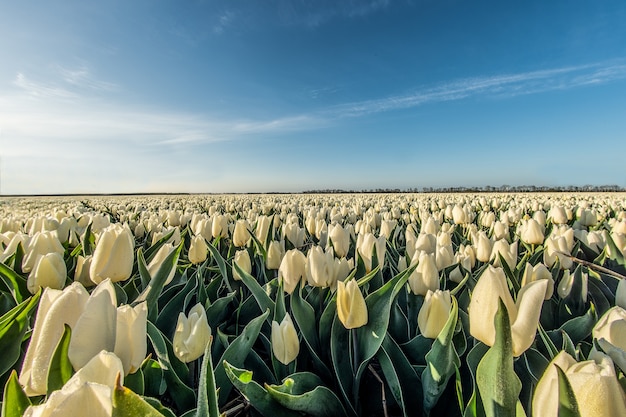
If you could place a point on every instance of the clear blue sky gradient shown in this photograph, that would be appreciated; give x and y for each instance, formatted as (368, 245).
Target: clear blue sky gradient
(291, 95)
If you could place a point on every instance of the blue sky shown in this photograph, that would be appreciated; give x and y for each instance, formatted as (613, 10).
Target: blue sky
(291, 95)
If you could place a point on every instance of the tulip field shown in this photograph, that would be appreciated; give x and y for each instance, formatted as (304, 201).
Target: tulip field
(314, 304)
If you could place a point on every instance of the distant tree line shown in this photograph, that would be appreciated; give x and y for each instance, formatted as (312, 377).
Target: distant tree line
(486, 189)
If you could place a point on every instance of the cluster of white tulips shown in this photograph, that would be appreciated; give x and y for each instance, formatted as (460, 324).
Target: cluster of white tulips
(391, 304)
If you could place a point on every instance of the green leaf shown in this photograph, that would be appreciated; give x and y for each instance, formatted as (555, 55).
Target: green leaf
(258, 396)
(259, 294)
(568, 406)
(128, 404)
(152, 292)
(14, 400)
(379, 303)
(182, 395)
(154, 382)
(221, 263)
(152, 250)
(136, 382)
(316, 402)
(497, 382)
(401, 377)
(236, 354)
(13, 327)
(168, 316)
(207, 391)
(442, 361)
(61, 369)
(14, 283)
(579, 328)
(342, 365)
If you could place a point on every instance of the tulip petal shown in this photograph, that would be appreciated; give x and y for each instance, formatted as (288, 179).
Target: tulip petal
(529, 302)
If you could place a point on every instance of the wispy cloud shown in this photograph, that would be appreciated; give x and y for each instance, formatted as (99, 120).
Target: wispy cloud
(506, 85)
(225, 20)
(81, 77)
(41, 90)
(317, 13)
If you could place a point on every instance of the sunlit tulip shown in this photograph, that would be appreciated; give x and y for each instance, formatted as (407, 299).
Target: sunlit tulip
(241, 235)
(198, 250)
(506, 250)
(425, 277)
(567, 282)
(343, 267)
(340, 239)
(242, 259)
(49, 271)
(130, 336)
(192, 334)
(500, 231)
(275, 253)
(612, 328)
(523, 314)
(595, 386)
(263, 228)
(386, 228)
(219, 226)
(96, 327)
(483, 247)
(40, 244)
(426, 242)
(292, 270)
(81, 272)
(531, 232)
(114, 255)
(284, 338)
(458, 215)
(320, 268)
(89, 388)
(351, 307)
(294, 234)
(366, 246)
(535, 273)
(558, 215)
(556, 247)
(157, 261)
(588, 218)
(434, 313)
(56, 308)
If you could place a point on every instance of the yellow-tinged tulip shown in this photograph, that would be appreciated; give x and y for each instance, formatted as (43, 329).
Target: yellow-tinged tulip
(41, 243)
(157, 261)
(192, 334)
(612, 328)
(198, 250)
(114, 254)
(219, 226)
(535, 273)
(620, 294)
(95, 329)
(351, 307)
(88, 389)
(81, 273)
(340, 238)
(275, 253)
(434, 313)
(130, 336)
(292, 269)
(425, 277)
(241, 235)
(49, 271)
(320, 268)
(285, 343)
(531, 232)
(366, 244)
(242, 259)
(263, 228)
(595, 386)
(56, 308)
(523, 314)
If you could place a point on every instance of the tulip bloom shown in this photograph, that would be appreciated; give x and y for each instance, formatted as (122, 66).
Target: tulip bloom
(425, 277)
(523, 314)
(340, 238)
(535, 273)
(612, 328)
(284, 338)
(292, 269)
(242, 259)
(531, 232)
(320, 267)
(192, 334)
(275, 253)
(49, 271)
(130, 336)
(241, 235)
(351, 307)
(595, 386)
(41, 243)
(198, 250)
(114, 255)
(434, 313)
(366, 245)
(157, 261)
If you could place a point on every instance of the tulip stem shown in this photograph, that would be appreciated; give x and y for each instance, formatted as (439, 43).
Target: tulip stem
(355, 350)
(382, 388)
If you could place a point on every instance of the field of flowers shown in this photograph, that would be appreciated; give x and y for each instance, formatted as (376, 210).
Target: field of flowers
(321, 305)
